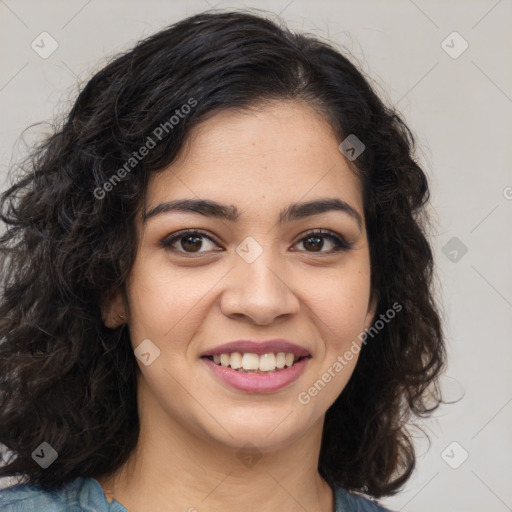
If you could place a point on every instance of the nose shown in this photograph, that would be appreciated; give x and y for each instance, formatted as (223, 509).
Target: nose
(259, 291)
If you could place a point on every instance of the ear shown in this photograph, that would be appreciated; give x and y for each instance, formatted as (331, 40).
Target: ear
(112, 310)
(372, 309)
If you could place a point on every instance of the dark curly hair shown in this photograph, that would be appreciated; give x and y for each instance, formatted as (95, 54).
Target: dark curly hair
(70, 242)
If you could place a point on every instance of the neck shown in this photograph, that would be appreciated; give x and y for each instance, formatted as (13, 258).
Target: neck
(173, 468)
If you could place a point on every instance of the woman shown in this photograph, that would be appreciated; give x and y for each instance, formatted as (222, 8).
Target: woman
(217, 285)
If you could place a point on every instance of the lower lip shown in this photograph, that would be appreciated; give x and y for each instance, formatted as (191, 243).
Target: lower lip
(258, 382)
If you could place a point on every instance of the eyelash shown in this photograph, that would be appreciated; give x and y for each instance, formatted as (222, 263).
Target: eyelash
(340, 243)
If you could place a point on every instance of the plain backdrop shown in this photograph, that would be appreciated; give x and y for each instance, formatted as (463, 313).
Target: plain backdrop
(455, 92)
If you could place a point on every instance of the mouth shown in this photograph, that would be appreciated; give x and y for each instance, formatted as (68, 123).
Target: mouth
(256, 373)
(253, 363)
(257, 366)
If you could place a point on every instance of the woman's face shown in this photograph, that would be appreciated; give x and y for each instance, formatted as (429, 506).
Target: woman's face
(261, 277)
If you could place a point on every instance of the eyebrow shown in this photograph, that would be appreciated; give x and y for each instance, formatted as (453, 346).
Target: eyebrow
(231, 213)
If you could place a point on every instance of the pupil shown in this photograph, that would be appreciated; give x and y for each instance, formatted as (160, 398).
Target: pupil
(318, 244)
(196, 240)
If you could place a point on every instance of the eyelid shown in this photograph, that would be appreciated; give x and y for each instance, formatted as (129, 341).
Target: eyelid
(344, 244)
(168, 240)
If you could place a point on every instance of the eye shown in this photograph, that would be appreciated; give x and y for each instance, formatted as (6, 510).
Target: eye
(190, 241)
(315, 240)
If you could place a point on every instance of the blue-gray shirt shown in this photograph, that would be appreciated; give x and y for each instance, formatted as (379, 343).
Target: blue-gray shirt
(86, 495)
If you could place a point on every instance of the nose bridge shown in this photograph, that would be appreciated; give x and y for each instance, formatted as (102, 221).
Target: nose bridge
(263, 271)
(258, 286)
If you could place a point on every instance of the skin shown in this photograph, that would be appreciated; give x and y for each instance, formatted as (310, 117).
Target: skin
(192, 424)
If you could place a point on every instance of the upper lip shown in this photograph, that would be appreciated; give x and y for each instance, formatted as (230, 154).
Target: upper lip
(258, 347)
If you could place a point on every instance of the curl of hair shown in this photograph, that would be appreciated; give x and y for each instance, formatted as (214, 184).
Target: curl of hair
(68, 380)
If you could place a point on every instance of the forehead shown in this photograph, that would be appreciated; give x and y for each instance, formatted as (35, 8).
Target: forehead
(279, 152)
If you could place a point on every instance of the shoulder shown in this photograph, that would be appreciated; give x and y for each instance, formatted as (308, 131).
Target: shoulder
(30, 498)
(79, 495)
(349, 502)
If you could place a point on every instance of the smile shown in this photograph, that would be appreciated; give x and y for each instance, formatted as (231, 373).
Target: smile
(257, 373)
(251, 362)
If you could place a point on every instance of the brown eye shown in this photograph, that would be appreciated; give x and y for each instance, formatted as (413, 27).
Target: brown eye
(191, 242)
(186, 242)
(315, 241)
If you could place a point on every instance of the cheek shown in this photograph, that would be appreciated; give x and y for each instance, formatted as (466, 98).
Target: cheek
(342, 304)
(341, 313)
(167, 305)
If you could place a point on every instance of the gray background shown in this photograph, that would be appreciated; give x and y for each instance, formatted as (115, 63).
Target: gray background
(459, 109)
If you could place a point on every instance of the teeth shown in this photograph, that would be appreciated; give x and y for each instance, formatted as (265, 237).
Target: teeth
(251, 363)
(268, 362)
(236, 360)
(280, 360)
